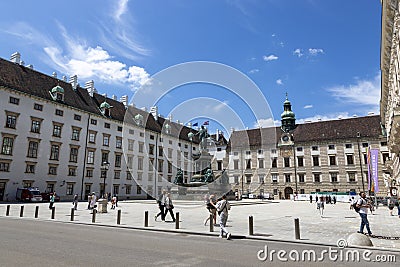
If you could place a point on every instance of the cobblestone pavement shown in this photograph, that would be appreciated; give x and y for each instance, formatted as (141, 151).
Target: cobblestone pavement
(272, 219)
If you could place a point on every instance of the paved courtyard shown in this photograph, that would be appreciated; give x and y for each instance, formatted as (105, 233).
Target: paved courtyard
(272, 219)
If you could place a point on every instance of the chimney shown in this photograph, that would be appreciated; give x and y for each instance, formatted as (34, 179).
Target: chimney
(144, 109)
(16, 58)
(371, 113)
(189, 124)
(64, 78)
(170, 117)
(232, 129)
(74, 81)
(30, 66)
(124, 100)
(154, 112)
(89, 86)
(54, 74)
(114, 97)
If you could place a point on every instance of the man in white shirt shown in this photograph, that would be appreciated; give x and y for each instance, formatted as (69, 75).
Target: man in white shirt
(222, 208)
(362, 203)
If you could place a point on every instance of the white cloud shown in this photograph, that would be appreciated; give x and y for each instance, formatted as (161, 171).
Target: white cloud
(298, 52)
(315, 51)
(273, 35)
(121, 9)
(253, 71)
(264, 123)
(363, 92)
(270, 57)
(308, 106)
(279, 81)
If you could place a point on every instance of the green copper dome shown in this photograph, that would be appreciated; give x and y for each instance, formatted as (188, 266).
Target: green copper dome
(287, 114)
(105, 105)
(57, 89)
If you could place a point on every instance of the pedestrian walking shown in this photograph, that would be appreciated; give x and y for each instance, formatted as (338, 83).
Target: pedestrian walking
(169, 206)
(363, 205)
(352, 201)
(223, 207)
(334, 200)
(321, 206)
(52, 199)
(89, 201)
(113, 202)
(210, 206)
(161, 206)
(75, 202)
(93, 201)
(310, 198)
(397, 204)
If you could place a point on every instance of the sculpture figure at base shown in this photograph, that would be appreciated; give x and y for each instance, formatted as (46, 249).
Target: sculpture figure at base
(179, 177)
(209, 176)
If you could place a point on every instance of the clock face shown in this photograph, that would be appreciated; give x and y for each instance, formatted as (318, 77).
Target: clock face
(285, 138)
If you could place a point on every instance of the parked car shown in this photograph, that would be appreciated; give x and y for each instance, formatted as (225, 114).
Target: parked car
(46, 197)
(29, 194)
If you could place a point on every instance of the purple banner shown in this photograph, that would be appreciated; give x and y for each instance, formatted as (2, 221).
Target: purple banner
(374, 168)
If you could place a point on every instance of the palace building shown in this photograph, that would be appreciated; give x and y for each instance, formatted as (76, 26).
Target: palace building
(324, 156)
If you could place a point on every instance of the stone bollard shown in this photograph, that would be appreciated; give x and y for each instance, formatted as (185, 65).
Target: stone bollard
(72, 214)
(119, 217)
(21, 212)
(211, 223)
(94, 215)
(146, 219)
(357, 239)
(53, 213)
(297, 228)
(177, 220)
(37, 212)
(8, 210)
(251, 229)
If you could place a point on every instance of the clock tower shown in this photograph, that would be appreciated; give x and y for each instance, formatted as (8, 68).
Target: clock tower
(288, 119)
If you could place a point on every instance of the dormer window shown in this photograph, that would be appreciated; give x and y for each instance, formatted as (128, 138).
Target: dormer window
(138, 120)
(57, 93)
(105, 109)
(167, 129)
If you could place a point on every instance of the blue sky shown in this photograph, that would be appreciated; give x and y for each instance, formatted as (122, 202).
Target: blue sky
(324, 53)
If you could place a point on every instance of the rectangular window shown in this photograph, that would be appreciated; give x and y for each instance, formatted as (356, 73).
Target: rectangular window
(107, 125)
(118, 142)
(301, 178)
(119, 128)
(236, 179)
(141, 147)
(236, 164)
(274, 178)
(261, 179)
(260, 152)
(302, 191)
(286, 162)
(151, 164)
(77, 117)
(11, 121)
(169, 167)
(141, 134)
(30, 168)
(93, 121)
(140, 164)
(332, 160)
(130, 144)
(334, 177)
(300, 161)
(7, 146)
(4, 166)
(106, 140)
(117, 174)
(75, 134)
(299, 149)
(151, 137)
(314, 148)
(261, 163)
(72, 171)
(90, 157)
(219, 165)
(138, 190)
(59, 112)
(364, 144)
(170, 152)
(128, 189)
(151, 149)
(129, 163)
(118, 160)
(37, 107)
(55, 152)
(248, 163)
(35, 126)
(317, 178)
(348, 145)
(128, 175)
(385, 157)
(14, 100)
(248, 153)
(89, 172)
(73, 155)
(331, 147)
(352, 177)
(287, 178)
(92, 137)
(33, 149)
(248, 179)
(70, 189)
(57, 130)
(104, 157)
(160, 151)
(350, 159)
(53, 170)
(315, 160)
(274, 162)
(384, 143)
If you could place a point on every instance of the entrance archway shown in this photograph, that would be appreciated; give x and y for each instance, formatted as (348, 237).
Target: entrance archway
(288, 191)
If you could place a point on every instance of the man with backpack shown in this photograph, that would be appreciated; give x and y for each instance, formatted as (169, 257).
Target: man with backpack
(362, 206)
(222, 207)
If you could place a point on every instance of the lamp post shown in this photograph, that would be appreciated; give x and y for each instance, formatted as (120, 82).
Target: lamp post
(104, 167)
(359, 157)
(190, 136)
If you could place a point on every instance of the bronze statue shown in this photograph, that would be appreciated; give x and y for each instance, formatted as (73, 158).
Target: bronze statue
(179, 177)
